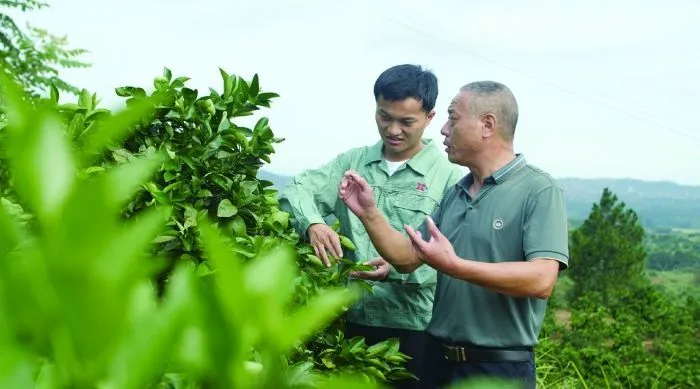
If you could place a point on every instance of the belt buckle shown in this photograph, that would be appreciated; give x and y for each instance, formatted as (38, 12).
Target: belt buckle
(456, 352)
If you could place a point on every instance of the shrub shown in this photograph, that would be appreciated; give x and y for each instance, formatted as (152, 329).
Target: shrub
(176, 160)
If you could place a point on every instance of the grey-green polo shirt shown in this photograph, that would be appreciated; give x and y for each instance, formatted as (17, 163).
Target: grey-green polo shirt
(518, 215)
(415, 189)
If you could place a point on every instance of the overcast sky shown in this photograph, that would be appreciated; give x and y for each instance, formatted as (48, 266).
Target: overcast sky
(605, 88)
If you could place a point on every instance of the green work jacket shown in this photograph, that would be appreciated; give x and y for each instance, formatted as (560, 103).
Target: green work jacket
(411, 193)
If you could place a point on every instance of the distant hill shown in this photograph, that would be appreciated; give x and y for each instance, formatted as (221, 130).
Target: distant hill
(659, 204)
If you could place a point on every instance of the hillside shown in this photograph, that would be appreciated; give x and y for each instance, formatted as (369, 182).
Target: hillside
(660, 204)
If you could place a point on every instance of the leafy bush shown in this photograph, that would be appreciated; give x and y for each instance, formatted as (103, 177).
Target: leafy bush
(79, 307)
(203, 168)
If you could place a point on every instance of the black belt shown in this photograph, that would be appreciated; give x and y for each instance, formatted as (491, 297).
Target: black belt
(464, 354)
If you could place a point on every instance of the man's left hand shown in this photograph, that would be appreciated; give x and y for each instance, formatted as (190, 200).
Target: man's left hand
(380, 272)
(438, 252)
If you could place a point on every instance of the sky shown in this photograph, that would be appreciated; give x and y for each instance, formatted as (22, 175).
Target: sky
(606, 89)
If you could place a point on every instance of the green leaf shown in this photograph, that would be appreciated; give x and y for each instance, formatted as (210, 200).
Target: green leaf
(226, 209)
(42, 163)
(153, 333)
(179, 82)
(228, 83)
(98, 114)
(267, 95)
(122, 255)
(85, 100)
(254, 87)
(248, 188)
(190, 217)
(129, 91)
(238, 226)
(54, 93)
(162, 239)
(117, 127)
(127, 177)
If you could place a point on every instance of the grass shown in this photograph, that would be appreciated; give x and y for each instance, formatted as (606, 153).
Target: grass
(677, 283)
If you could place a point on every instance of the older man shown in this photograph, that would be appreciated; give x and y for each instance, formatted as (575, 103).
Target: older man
(498, 241)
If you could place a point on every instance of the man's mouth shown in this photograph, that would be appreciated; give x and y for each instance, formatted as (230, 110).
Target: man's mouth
(394, 141)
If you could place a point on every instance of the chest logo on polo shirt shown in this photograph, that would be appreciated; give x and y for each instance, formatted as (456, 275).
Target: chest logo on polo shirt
(421, 186)
(498, 224)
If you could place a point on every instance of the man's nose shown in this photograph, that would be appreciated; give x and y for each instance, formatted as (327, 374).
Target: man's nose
(445, 130)
(393, 129)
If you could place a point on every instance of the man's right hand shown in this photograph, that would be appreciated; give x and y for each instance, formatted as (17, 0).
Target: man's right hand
(323, 238)
(357, 194)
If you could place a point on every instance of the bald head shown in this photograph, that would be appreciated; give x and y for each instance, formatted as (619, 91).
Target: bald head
(495, 98)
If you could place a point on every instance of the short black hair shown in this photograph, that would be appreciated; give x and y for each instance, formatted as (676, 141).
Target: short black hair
(401, 82)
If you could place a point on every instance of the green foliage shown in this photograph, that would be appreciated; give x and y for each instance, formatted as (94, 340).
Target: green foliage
(34, 57)
(211, 162)
(609, 245)
(206, 169)
(616, 329)
(79, 307)
(677, 284)
(673, 250)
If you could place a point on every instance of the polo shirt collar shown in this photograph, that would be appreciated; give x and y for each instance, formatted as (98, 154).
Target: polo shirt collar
(499, 176)
(420, 162)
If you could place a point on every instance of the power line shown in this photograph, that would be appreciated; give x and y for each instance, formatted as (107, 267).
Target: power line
(429, 31)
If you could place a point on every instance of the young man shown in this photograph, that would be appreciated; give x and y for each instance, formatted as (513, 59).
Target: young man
(410, 176)
(498, 241)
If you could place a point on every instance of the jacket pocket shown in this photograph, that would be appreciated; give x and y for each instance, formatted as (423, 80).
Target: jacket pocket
(411, 207)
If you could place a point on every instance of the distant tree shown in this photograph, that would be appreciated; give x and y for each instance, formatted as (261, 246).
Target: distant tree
(33, 57)
(608, 249)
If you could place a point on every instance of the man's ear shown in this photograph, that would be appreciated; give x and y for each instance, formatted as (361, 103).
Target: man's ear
(431, 115)
(488, 125)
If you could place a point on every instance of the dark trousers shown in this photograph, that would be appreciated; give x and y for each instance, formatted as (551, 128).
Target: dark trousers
(441, 373)
(411, 343)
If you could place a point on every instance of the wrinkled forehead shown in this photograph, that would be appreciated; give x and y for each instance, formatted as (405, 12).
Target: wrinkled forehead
(460, 103)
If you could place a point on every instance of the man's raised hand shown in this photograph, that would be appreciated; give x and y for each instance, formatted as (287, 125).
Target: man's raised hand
(356, 193)
(437, 252)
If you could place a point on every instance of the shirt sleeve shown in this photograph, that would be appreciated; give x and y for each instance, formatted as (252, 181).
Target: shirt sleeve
(312, 195)
(545, 230)
(424, 274)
